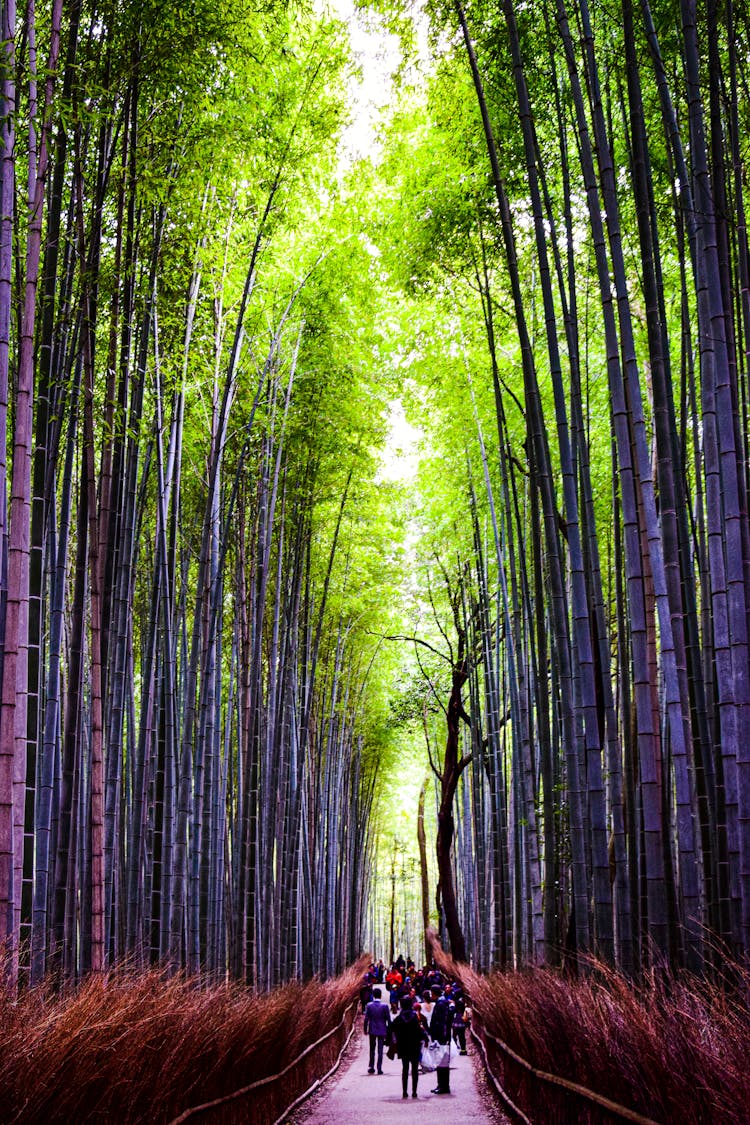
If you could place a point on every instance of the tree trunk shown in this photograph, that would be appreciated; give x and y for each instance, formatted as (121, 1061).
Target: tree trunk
(423, 873)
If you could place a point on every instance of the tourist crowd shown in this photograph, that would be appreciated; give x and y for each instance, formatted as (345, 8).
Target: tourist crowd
(424, 1012)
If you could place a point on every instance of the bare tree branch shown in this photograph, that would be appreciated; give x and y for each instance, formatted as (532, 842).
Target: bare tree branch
(433, 767)
(433, 689)
(464, 762)
(442, 631)
(415, 641)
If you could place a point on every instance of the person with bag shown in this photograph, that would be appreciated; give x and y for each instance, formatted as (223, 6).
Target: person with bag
(409, 1035)
(435, 1055)
(441, 1025)
(377, 1022)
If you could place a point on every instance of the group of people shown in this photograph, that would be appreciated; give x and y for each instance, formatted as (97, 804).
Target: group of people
(424, 1007)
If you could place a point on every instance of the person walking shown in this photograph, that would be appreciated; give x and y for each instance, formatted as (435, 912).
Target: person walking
(377, 1022)
(441, 1025)
(410, 1035)
(365, 991)
(459, 1022)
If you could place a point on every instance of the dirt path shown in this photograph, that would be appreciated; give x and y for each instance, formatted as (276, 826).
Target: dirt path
(354, 1097)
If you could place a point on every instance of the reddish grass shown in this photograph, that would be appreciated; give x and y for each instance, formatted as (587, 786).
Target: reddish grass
(676, 1049)
(142, 1047)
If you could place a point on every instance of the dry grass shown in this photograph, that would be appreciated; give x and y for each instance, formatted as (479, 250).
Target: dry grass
(142, 1047)
(676, 1049)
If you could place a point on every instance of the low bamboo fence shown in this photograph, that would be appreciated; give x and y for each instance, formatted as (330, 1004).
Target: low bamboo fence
(270, 1100)
(530, 1095)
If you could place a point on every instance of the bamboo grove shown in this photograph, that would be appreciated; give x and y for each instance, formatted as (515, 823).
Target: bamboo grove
(184, 773)
(204, 323)
(598, 242)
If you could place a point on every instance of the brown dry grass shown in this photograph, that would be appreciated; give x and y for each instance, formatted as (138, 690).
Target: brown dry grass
(131, 1047)
(676, 1049)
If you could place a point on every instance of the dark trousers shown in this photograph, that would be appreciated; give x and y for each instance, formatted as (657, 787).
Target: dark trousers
(405, 1064)
(379, 1040)
(459, 1037)
(443, 1079)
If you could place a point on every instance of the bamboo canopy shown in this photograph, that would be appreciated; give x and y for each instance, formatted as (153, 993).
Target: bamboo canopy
(266, 699)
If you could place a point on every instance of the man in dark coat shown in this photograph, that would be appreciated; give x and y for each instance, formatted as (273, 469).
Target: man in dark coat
(377, 1022)
(410, 1035)
(441, 1025)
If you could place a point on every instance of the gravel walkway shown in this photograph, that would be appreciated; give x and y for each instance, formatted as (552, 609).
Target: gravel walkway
(354, 1097)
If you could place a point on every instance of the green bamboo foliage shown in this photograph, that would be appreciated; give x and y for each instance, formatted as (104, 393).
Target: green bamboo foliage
(196, 747)
(199, 335)
(622, 641)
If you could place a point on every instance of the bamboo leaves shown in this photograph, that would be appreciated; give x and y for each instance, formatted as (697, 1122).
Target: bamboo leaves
(196, 705)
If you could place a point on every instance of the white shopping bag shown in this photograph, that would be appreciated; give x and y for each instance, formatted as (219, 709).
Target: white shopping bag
(435, 1055)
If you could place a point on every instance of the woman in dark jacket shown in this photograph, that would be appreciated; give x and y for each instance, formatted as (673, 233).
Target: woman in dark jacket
(410, 1035)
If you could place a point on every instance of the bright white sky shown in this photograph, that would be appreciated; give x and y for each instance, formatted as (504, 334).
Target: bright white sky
(378, 54)
(400, 458)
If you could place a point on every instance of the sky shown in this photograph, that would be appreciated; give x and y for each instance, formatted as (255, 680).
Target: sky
(400, 458)
(377, 52)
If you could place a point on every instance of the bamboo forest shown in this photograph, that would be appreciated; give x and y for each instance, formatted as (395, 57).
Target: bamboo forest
(375, 462)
